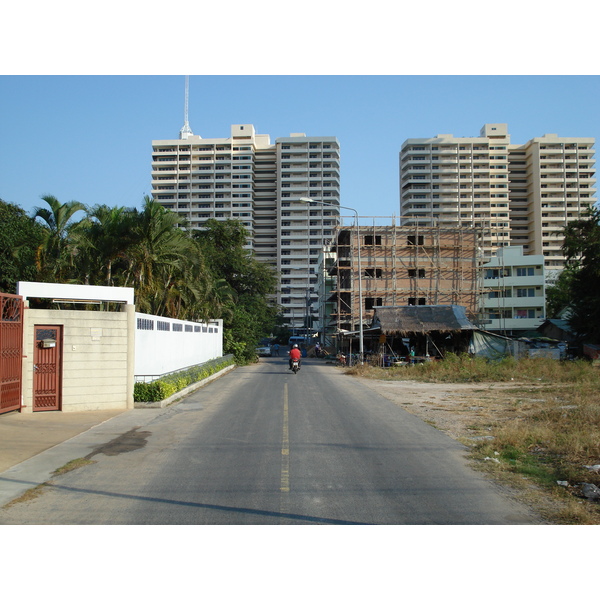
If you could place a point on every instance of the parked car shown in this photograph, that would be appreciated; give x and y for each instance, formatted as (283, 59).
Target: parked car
(263, 351)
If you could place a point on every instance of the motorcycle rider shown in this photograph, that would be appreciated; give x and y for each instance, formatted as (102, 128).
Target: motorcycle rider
(295, 354)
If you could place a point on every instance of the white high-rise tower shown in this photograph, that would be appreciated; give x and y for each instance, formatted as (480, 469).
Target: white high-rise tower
(519, 194)
(246, 177)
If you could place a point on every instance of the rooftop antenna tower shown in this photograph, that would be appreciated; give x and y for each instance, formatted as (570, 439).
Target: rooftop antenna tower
(186, 131)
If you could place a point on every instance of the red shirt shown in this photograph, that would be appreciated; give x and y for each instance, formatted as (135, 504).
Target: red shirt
(295, 354)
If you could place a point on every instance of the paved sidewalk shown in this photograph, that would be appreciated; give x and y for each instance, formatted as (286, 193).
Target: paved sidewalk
(34, 445)
(24, 435)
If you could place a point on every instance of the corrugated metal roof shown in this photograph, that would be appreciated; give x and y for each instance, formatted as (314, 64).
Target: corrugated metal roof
(404, 320)
(560, 323)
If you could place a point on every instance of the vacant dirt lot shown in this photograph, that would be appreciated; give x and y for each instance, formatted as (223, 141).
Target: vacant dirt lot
(462, 410)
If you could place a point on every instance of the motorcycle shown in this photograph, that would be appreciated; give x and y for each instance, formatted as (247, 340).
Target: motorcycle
(295, 366)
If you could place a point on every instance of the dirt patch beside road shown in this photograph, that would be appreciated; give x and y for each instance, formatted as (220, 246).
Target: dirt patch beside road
(462, 410)
(467, 412)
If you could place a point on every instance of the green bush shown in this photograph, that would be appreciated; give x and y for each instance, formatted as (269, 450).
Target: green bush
(147, 392)
(166, 386)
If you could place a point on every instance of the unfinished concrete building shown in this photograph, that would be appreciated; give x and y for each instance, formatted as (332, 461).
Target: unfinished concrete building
(399, 266)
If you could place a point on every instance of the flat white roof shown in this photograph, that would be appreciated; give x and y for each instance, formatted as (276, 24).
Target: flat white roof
(67, 291)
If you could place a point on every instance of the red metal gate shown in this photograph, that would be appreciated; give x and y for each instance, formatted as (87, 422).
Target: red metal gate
(47, 368)
(11, 351)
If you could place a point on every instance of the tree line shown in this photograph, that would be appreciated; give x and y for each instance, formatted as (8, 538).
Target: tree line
(576, 292)
(175, 271)
(207, 274)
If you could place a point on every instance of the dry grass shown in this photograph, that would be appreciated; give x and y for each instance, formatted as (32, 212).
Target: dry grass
(532, 420)
(37, 491)
(29, 495)
(72, 465)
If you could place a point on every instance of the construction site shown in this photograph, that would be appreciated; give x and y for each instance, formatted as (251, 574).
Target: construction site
(399, 266)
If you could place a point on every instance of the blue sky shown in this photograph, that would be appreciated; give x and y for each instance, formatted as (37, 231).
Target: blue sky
(85, 89)
(89, 138)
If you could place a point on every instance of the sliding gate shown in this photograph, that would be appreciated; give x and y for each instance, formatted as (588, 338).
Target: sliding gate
(11, 351)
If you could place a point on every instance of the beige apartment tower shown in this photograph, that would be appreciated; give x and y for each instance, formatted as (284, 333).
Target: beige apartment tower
(516, 194)
(247, 177)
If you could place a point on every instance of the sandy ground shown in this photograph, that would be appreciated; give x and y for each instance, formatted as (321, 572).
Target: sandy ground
(464, 411)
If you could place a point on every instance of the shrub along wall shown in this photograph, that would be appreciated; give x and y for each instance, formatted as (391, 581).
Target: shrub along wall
(161, 389)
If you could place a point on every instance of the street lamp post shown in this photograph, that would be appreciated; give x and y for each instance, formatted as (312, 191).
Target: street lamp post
(360, 299)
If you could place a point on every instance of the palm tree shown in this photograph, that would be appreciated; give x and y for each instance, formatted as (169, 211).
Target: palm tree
(159, 249)
(103, 239)
(149, 249)
(55, 255)
(194, 294)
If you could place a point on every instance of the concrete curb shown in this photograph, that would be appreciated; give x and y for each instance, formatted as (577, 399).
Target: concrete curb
(185, 391)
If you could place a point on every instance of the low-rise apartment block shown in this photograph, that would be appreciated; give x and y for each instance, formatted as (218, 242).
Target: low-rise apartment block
(514, 295)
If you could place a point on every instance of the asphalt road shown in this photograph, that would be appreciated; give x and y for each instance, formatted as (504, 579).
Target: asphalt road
(264, 446)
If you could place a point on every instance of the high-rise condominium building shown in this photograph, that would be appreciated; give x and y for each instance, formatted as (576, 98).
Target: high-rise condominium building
(518, 194)
(246, 177)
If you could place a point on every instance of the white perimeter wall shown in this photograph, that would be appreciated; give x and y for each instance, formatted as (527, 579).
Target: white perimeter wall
(163, 345)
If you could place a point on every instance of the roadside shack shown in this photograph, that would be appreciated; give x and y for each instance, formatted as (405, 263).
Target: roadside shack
(410, 334)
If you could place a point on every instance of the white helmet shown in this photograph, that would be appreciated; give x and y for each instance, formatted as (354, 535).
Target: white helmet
(295, 345)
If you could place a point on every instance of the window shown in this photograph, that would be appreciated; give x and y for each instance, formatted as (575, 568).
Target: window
(416, 301)
(496, 273)
(371, 303)
(500, 314)
(525, 271)
(372, 240)
(373, 273)
(414, 240)
(525, 313)
(525, 293)
(420, 273)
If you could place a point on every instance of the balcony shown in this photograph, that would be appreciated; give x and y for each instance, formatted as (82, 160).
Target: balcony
(515, 324)
(445, 161)
(443, 149)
